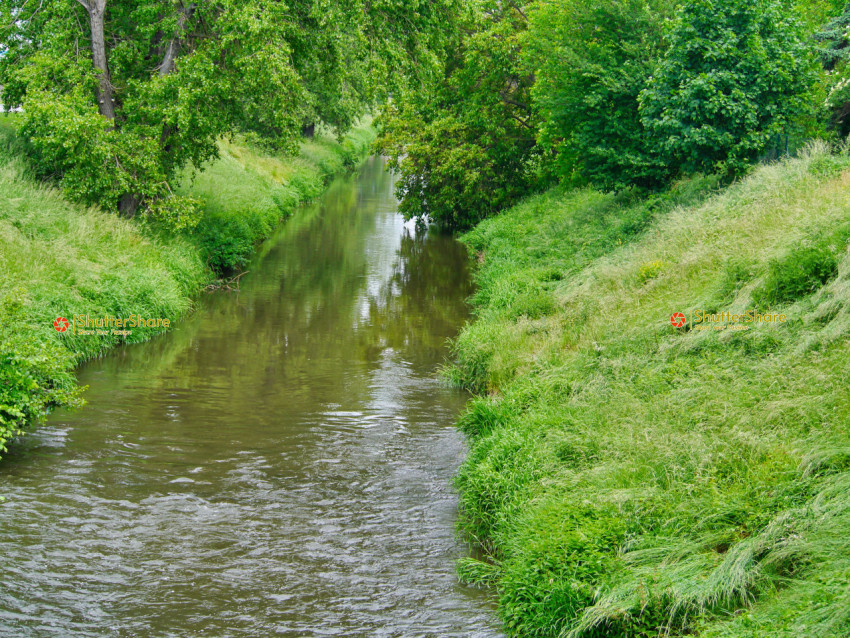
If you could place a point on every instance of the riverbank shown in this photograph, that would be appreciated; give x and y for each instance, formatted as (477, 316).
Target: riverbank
(60, 259)
(627, 477)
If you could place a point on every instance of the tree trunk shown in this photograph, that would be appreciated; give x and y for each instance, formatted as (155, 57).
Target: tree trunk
(309, 130)
(173, 47)
(129, 202)
(128, 205)
(97, 14)
(169, 57)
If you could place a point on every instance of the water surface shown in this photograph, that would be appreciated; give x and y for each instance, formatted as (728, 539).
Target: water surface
(278, 465)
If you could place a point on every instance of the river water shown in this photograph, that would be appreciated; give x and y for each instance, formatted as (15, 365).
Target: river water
(278, 465)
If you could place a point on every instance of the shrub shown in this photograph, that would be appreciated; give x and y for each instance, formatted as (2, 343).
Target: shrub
(800, 272)
(593, 60)
(34, 372)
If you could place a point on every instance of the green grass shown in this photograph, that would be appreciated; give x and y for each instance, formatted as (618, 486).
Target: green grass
(247, 192)
(58, 258)
(626, 478)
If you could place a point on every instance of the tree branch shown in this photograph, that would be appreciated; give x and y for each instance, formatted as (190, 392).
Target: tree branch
(508, 100)
(526, 125)
(173, 46)
(518, 10)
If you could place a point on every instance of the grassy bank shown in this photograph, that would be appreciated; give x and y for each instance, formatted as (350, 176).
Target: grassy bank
(247, 192)
(62, 259)
(627, 478)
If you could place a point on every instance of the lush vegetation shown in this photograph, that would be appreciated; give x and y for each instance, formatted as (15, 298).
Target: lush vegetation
(60, 259)
(627, 478)
(593, 61)
(189, 119)
(120, 96)
(464, 145)
(734, 75)
(613, 94)
(246, 192)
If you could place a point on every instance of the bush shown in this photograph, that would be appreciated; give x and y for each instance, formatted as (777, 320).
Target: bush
(34, 373)
(801, 271)
(593, 61)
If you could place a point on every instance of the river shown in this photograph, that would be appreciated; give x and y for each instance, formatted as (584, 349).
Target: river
(278, 465)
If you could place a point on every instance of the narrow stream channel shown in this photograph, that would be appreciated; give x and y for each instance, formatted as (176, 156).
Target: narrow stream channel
(278, 465)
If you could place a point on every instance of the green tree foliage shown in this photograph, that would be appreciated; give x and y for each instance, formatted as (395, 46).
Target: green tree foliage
(592, 60)
(614, 93)
(736, 73)
(833, 43)
(815, 13)
(833, 48)
(119, 95)
(464, 144)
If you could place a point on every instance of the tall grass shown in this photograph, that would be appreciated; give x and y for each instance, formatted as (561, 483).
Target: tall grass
(627, 478)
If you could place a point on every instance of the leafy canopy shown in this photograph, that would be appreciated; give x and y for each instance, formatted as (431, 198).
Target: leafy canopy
(119, 95)
(616, 93)
(592, 60)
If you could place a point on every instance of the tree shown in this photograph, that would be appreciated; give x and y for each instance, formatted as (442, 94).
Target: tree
(833, 49)
(119, 95)
(464, 143)
(592, 61)
(737, 72)
(815, 13)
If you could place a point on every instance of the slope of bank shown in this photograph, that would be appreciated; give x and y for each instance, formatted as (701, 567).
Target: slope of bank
(246, 192)
(629, 478)
(60, 259)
